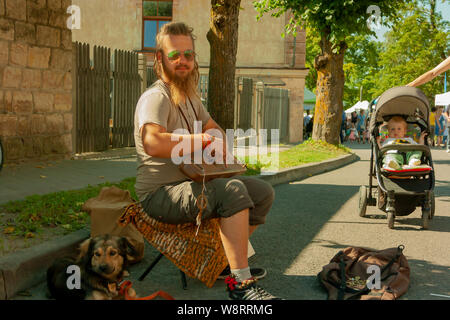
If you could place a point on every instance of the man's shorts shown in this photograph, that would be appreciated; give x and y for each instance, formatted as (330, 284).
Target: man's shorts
(177, 204)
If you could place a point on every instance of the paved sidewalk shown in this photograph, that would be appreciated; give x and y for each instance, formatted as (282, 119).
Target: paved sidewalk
(20, 181)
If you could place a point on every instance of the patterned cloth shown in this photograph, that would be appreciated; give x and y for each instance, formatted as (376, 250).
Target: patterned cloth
(199, 256)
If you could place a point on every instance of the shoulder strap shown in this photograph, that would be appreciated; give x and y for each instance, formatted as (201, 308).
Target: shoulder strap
(185, 119)
(193, 108)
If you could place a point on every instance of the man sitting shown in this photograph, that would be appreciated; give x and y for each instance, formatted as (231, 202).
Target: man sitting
(172, 103)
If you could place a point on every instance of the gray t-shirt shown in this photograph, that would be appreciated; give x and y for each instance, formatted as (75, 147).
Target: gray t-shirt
(155, 106)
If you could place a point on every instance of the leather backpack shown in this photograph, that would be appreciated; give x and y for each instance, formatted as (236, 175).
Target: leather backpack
(366, 274)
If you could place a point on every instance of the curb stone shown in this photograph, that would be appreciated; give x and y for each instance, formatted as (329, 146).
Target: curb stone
(26, 268)
(308, 170)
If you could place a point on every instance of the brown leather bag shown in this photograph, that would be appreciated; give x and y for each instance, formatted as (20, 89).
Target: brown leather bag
(206, 172)
(345, 277)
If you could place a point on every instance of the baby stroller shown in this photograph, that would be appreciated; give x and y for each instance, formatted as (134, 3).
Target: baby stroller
(399, 192)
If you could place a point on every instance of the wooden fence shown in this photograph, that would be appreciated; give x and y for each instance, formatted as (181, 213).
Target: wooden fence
(262, 107)
(276, 112)
(151, 76)
(126, 93)
(104, 100)
(92, 99)
(245, 105)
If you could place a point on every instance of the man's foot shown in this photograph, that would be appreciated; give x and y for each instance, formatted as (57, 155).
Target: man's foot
(246, 290)
(257, 273)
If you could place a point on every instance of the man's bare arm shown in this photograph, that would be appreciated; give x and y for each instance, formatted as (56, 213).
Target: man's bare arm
(159, 143)
(211, 124)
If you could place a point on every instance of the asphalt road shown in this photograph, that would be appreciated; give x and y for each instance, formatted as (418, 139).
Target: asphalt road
(310, 221)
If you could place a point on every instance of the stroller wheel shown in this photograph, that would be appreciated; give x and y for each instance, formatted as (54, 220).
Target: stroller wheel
(391, 219)
(362, 201)
(425, 219)
(432, 205)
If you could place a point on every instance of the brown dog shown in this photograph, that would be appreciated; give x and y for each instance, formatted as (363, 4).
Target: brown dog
(102, 263)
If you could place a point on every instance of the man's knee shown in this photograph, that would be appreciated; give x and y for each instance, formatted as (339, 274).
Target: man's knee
(235, 186)
(269, 192)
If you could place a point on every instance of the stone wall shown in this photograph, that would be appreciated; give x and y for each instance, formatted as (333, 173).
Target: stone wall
(35, 80)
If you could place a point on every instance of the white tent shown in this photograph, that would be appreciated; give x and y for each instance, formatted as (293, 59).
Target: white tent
(442, 99)
(358, 106)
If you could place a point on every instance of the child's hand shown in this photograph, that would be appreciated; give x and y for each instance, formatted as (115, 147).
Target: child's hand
(378, 141)
(422, 137)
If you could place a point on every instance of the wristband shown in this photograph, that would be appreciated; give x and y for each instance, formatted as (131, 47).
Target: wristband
(206, 142)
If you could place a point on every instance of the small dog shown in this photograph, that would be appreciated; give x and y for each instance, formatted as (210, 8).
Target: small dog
(102, 263)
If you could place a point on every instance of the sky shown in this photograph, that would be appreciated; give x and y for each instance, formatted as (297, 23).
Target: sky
(443, 8)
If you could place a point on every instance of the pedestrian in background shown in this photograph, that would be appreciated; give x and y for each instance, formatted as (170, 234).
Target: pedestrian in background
(446, 115)
(343, 127)
(361, 126)
(439, 123)
(432, 125)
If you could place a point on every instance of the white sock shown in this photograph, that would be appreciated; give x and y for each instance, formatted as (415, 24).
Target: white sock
(242, 274)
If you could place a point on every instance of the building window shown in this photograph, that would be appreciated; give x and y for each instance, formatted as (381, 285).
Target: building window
(155, 14)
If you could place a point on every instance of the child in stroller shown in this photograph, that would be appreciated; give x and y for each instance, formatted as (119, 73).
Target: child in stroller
(399, 191)
(393, 159)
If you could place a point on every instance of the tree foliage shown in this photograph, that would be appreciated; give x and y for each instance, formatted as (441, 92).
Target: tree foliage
(312, 51)
(414, 46)
(337, 19)
(361, 64)
(333, 21)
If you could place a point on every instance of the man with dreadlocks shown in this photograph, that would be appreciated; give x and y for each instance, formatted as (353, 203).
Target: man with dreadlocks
(172, 103)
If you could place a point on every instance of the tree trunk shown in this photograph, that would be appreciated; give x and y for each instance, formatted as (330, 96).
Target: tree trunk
(223, 40)
(330, 92)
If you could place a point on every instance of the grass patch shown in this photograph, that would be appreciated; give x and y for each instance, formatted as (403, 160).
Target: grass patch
(28, 218)
(308, 152)
(58, 209)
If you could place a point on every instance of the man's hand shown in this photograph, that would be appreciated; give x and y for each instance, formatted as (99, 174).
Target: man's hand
(218, 149)
(220, 142)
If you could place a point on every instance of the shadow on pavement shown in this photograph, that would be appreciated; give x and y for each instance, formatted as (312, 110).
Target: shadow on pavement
(427, 278)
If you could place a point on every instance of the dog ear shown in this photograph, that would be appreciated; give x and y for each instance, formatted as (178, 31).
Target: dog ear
(84, 248)
(128, 247)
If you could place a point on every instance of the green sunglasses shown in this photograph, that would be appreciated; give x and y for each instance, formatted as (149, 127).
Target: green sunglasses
(175, 55)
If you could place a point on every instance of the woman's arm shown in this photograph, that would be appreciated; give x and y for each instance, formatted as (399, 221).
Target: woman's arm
(427, 76)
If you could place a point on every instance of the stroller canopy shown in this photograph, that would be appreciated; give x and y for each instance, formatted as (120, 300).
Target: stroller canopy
(406, 101)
